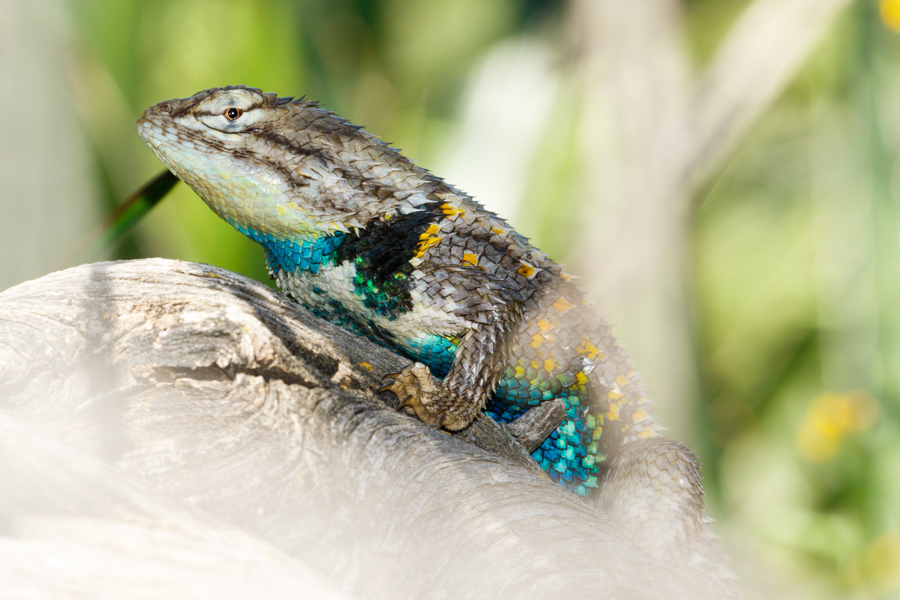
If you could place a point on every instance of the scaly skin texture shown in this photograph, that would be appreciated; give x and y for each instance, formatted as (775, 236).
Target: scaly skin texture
(363, 237)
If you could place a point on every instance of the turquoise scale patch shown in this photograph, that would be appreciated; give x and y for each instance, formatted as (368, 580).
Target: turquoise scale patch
(305, 254)
(570, 456)
(434, 351)
(385, 299)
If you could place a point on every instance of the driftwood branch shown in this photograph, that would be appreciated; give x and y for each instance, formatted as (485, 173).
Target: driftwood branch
(171, 430)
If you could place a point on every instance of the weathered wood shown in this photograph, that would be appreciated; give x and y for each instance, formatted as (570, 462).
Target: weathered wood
(73, 527)
(205, 430)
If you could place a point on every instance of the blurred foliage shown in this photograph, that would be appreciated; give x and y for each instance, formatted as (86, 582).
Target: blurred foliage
(795, 263)
(795, 244)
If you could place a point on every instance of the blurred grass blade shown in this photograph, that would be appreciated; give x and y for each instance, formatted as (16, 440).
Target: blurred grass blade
(120, 220)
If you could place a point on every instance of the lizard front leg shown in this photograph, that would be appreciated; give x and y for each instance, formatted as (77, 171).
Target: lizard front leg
(478, 364)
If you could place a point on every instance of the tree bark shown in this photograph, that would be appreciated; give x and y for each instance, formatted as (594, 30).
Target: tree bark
(172, 429)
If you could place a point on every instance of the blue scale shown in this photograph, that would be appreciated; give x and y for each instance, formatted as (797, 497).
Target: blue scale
(305, 254)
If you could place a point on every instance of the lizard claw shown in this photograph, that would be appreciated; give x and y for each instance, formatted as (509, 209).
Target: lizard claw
(388, 385)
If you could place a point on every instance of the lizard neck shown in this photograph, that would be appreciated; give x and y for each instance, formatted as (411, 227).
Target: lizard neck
(303, 253)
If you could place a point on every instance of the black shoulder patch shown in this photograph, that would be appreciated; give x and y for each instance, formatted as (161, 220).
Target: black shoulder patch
(385, 246)
(381, 253)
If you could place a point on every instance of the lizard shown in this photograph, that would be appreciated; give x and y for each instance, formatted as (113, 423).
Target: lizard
(366, 239)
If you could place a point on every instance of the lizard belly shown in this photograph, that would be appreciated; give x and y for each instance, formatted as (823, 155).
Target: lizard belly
(337, 294)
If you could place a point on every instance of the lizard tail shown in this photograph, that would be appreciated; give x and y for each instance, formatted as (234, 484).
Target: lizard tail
(652, 487)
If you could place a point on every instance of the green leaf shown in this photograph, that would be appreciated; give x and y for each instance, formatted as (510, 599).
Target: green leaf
(123, 218)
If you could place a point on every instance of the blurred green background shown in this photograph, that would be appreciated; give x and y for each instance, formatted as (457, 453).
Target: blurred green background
(720, 174)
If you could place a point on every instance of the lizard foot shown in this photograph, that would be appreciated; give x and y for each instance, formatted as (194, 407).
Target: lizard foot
(420, 395)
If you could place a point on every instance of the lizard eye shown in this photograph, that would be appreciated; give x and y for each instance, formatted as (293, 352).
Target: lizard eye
(233, 113)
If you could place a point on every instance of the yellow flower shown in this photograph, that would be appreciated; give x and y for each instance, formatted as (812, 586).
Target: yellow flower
(830, 418)
(890, 14)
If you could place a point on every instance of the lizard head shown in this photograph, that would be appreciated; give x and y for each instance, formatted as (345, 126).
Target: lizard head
(280, 167)
(221, 142)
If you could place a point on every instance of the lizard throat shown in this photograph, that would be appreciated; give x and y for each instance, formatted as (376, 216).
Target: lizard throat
(304, 254)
